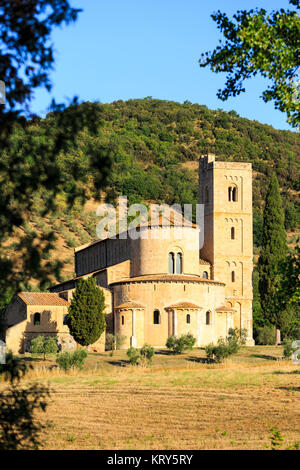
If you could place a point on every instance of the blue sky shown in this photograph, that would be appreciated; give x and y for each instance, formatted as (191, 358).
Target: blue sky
(123, 49)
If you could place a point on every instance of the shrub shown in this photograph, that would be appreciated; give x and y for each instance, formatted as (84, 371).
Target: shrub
(178, 345)
(44, 345)
(79, 357)
(287, 348)
(238, 334)
(218, 352)
(266, 335)
(113, 342)
(64, 360)
(110, 342)
(133, 355)
(71, 241)
(68, 360)
(189, 341)
(147, 352)
(226, 347)
(171, 342)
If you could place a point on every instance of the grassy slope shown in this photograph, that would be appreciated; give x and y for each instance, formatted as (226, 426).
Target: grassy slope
(178, 403)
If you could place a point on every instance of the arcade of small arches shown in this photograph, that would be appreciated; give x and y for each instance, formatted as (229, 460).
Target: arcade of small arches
(157, 318)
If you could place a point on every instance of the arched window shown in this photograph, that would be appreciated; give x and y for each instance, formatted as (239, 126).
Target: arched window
(205, 275)
(188, 318)
(232, 233)
(171, 263)
(37, 318)
(229, 193)
(65, 320)
(207, 318)
(232, 276)
(122, 319)
(179, 263)
(156, 317)
(234, 194)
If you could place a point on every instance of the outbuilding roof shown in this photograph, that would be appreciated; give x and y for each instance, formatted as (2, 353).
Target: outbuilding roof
(42, 298)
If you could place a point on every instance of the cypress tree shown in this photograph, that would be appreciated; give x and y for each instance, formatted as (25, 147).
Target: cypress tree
(273, 252)
(86, 319)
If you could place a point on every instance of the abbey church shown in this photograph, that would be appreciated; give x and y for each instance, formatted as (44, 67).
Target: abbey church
(158, 287)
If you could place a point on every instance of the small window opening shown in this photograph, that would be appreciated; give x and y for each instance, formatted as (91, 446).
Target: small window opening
(37, 319)
(156, 317)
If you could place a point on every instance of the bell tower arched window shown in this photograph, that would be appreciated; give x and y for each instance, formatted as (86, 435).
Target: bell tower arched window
(232, 194)
(229, 193)
(207, 318)
(232, 233)
(171, 263)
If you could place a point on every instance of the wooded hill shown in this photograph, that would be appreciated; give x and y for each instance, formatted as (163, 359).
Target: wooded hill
(155, 146)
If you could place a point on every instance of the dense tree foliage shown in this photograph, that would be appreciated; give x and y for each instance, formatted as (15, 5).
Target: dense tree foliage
(86, 319)
(154, 146)
(26, 51)
(258, 42)
(19, 427)
(30, 159)
(273, 252)
(288, 292)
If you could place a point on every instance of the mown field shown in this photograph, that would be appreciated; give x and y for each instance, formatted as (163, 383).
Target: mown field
(180, 402)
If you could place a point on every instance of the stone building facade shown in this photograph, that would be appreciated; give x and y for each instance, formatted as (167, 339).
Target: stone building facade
(166, 282)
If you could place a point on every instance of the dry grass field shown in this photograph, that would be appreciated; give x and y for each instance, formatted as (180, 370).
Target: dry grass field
(179, 403)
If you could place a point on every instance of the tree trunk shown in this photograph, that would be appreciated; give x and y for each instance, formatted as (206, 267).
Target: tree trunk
(278, 339)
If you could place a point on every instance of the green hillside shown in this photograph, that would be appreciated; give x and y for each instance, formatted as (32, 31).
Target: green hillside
(155, 143)
(155, 146)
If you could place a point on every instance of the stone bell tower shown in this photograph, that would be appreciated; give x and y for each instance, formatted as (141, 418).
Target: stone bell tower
(225, 189)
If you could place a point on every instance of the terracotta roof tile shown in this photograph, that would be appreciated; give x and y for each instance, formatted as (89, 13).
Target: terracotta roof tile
(168, 278)
(130, 305)
(42, 298)
(225, 309)
(184, 305)
(161, 221)
(203, 261)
